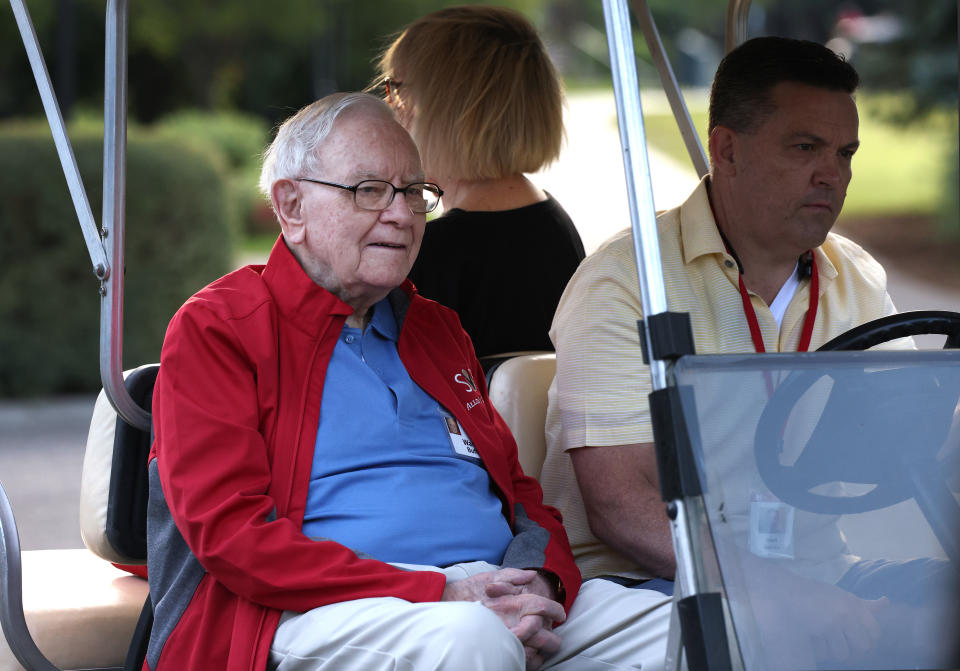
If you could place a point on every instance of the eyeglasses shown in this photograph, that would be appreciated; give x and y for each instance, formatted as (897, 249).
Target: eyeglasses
(376, 194)
(392, 87)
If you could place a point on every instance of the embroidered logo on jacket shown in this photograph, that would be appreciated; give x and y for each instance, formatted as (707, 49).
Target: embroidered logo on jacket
(466, 379)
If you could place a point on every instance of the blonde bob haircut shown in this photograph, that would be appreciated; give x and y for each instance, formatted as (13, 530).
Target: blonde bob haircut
(485, 98)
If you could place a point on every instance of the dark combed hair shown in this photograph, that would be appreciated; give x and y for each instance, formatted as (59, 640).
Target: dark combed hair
(740, 97)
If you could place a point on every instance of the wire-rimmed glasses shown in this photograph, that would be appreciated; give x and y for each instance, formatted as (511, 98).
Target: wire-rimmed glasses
(376, 194)
(392, 87)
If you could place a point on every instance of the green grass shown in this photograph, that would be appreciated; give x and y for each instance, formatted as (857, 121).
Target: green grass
(662, 133)
(898, 169)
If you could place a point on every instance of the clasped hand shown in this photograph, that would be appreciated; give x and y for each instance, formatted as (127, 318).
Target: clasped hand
(524, 602)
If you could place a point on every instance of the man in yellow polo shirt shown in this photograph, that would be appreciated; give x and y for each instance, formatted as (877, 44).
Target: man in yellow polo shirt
(749, 255)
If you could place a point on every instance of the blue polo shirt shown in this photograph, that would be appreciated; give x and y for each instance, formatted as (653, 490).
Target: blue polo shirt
(388, 478)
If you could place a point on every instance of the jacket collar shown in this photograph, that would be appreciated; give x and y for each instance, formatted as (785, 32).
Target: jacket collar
(305, 303)
(300, 300)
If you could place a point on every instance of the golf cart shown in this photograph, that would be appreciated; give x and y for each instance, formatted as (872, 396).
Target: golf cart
(846, 444)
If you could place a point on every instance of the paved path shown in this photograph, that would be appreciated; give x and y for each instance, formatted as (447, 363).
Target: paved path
(41, 442)
(588, 180)
(41, 452)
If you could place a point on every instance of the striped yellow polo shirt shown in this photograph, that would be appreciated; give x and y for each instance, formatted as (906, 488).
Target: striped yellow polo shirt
(599, 396)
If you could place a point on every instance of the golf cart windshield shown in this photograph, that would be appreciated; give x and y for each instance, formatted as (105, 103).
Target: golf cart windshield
(825, 476)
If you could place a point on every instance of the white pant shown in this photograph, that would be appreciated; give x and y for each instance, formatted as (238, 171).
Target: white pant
(609, 628)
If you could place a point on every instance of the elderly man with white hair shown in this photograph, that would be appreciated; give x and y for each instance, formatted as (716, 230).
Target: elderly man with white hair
(331, 487)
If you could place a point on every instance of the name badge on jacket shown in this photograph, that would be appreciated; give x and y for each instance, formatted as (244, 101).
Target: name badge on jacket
(459, 440)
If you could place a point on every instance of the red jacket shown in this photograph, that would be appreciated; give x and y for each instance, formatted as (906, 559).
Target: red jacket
(235, 408)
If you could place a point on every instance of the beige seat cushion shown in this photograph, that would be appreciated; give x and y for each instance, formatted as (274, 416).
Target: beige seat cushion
(80, 609)
(518, 390)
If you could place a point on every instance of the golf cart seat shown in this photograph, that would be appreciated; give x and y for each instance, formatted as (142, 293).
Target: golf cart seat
(518, 390)
(82, 611)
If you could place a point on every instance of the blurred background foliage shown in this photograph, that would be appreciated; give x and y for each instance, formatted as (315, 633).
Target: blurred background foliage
(267, 59)
(49, 307)
(226, 72)
(244, 65)
(214, 78)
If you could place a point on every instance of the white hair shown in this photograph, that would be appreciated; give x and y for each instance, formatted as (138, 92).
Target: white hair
(294, 151)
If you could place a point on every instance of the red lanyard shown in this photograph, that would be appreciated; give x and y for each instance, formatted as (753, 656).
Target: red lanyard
(811, 317)
(751, 314)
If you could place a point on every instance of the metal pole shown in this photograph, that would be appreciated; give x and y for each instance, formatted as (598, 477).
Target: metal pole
(636, 165)
(670, 87)
(736, 34)
(649, 269)
(64, 150)
(114, 204)
(12, 621)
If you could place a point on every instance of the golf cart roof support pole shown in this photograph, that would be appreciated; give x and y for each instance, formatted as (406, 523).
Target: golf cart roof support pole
(646, 242)
(101, 268)
(114, 208)
(737, 12)
(653, 297)
(670, 86)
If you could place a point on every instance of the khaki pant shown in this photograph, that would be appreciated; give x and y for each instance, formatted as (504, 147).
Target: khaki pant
(609, 628)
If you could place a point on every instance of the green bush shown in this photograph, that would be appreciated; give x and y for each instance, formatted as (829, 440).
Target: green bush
(241, 138)
(177, 240)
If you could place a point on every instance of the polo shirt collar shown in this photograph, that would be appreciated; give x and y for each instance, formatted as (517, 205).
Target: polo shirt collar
(384, 321)
(700, 235)
(825, 268)
(698, 228)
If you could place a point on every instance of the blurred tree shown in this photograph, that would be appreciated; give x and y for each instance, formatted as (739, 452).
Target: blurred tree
(213, 55)
(691, 31)
(921, 58)
(18, 94)
(264, 58)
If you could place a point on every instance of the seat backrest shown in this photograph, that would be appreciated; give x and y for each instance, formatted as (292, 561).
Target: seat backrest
(518, 390)
(114, 482)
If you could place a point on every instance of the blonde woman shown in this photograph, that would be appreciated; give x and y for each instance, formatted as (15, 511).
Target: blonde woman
(475, 87)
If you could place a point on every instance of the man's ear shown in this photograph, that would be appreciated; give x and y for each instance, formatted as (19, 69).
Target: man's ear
(287, 203)
(723, 144)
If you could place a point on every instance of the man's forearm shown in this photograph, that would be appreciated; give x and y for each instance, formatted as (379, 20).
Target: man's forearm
(621, 495)
(640, 534)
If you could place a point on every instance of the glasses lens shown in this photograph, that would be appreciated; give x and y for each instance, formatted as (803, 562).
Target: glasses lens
(373, 195)
(422, 198)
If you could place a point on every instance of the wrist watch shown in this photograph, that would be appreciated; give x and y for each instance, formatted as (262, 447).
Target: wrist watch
(554, 582)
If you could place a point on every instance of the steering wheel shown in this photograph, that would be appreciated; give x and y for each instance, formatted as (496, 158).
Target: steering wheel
(889, 328)
(867, 425)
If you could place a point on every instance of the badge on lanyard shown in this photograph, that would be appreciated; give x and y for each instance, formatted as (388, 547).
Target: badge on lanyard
(459, 441)
(771, 526)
